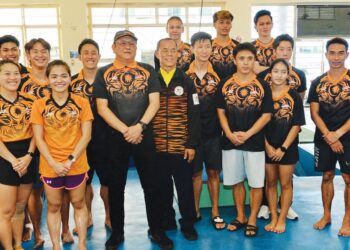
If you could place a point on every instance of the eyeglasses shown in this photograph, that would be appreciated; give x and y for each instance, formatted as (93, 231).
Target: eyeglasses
(124, 44)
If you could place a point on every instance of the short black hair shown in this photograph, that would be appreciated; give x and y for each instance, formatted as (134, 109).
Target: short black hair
(244, 46)
(88, 41)
(337, 40)
(200, 36)
(29, 45)
(261, 13)
(279, 60)
(174, 18)
(8, 39)
(283, 38)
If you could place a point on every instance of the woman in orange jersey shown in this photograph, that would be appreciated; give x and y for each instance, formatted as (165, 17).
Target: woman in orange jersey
(16, 152)
(281, 143)
(62, 130)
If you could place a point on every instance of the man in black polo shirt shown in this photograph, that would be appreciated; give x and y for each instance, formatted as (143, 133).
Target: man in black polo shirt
(329, 99)
(127, 97)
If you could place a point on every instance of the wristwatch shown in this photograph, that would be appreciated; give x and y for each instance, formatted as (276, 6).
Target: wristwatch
(31, 154)
(71, 158)
(283, 149)
(143, 125)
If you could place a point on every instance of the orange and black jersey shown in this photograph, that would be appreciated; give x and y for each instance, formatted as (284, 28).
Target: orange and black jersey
(264, 52)
(24, 71)
(288, 111)
(176, 125)
(222, 58)
(15, 118)
(32, 86)
(296, 78)
(126, 88)
(206, 90)
(244, 103)
(62, 130)
(79, 86)
(333, 97)
(184, 57)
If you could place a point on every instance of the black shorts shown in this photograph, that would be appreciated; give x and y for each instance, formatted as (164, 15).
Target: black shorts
(97, 150)
(10, 177)
(209, 153)
(326, 159)
(291, 157)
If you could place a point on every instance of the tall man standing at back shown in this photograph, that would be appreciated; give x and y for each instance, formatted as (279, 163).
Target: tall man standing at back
(329, 99)
(264, 43)
(223, 45)
(127, 97)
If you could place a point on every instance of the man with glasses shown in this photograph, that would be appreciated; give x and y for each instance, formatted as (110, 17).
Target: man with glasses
(127, 97)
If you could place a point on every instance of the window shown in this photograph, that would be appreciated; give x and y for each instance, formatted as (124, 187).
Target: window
(26, 23)
(148, 23)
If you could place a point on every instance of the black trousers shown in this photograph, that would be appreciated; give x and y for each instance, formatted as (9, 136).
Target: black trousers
(144, 155)
(174, 166)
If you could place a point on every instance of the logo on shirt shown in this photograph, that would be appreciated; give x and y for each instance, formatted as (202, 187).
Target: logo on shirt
(179, 90)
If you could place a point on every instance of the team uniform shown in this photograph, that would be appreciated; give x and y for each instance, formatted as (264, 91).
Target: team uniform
(334, 100)
(296, 78)
(288, 111)
(184, 57)
(96, 154)
(264, 52)
(24, 71)
(32, 86)
(62, 132)
(209, 149)
(244, 103)
(222, 58)
(127, 90)
(16, 134)
(176, 126)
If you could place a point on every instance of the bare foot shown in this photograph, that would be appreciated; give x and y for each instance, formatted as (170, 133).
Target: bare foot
(27, 233)
(322, 223)
(280, 226)
(345, 228)
(271, 226)
(67, 238)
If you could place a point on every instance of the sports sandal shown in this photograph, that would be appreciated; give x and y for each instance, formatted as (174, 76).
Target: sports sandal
(237, 224)
(252, 230)
(215, 221)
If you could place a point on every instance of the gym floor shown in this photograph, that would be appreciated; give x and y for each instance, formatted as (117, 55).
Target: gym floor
(299, 235)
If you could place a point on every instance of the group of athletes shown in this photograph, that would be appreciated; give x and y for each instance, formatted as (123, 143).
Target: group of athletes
(218, 103)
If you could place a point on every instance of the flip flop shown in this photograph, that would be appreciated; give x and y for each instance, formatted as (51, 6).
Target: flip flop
(215, 221)
(237, 224)
(252, 229)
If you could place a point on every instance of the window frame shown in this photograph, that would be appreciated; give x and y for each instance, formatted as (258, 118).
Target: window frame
(23, 27)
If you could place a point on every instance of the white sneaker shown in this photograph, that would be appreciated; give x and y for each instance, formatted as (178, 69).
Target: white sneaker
(292, 215)
(264, 212)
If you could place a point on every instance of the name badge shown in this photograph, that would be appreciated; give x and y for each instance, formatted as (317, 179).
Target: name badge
(195, 99)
